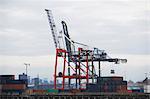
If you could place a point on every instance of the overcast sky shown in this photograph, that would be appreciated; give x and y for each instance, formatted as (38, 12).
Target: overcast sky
(120, 27)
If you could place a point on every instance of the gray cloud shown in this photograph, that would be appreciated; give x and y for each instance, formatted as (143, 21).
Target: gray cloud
(117, 26)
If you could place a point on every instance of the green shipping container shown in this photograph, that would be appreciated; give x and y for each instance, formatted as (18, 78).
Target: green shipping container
(52, 91)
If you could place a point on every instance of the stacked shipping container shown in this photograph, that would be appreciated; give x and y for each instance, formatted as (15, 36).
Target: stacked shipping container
(8, 84)
(40, 91)
(108, 84)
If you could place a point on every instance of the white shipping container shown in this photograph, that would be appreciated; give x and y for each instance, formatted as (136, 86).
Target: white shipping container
(146, 88)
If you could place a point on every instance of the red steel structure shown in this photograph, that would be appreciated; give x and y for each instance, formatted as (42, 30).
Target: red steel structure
(79, 61)
(76, 74)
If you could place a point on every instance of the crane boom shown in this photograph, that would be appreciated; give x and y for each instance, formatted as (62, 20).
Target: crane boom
(53, 28)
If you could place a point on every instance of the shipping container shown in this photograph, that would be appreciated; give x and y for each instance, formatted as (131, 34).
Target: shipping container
(14, 92)
(12, 77)
(129, 91)
(14, 86)
(29, 91)
(117, 78)
(124, 83)
(122, 88)
(4, 78)
(52, 91)
(136, 90)
(104, 79)
(39, 91)
(108, 84)
(15, 82)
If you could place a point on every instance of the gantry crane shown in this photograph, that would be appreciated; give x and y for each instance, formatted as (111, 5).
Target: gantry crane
(79, 61)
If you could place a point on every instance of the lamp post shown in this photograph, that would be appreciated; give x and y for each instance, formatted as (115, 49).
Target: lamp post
(27, 64)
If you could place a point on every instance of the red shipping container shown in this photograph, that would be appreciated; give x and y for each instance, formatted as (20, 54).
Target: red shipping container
(14, 86)
(40, 91)
(117, 78)
(129, 91)
(122, 88)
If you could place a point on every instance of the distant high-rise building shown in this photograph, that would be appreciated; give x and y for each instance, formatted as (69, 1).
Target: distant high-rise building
(40, 81)
(45, 81)
(36, 82)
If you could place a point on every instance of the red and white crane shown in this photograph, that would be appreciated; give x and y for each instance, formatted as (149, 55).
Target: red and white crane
(79, 61)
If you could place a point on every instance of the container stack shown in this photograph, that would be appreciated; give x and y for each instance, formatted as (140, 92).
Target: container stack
(4, 78)
(108, 84)
(40, 91)
(8, 85)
